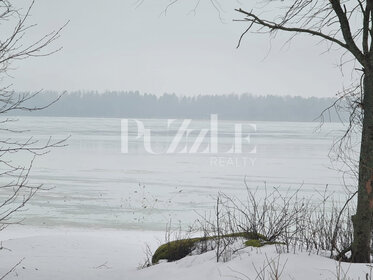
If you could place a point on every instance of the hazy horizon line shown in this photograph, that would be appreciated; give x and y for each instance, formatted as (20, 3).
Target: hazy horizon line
(143, 93)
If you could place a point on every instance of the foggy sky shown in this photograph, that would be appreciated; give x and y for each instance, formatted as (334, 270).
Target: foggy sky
(114, 45)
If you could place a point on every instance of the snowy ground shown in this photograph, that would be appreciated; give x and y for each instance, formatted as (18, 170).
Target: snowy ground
(74, 254)
(113, 254)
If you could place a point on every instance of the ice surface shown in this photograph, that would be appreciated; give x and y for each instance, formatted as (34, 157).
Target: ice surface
(95, 185)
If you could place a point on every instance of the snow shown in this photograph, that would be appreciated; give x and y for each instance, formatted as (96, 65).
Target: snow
(66, 253)
(73, 253)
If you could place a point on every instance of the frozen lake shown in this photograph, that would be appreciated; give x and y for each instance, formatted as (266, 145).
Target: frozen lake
(96, 185)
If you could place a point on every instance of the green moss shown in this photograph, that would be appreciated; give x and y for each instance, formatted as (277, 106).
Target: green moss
(247, 235)
(259, 243)
(178, 249)
(253, 243)
(175, 250)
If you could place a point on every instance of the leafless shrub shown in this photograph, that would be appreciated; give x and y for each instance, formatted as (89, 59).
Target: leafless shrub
(272, 269)
(218, 230)
(317, 225)
(148, 257)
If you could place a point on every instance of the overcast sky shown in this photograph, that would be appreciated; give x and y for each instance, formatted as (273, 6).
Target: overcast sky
(114, 45)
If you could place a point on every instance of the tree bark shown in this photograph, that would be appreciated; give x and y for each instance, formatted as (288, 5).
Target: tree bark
(362, 220)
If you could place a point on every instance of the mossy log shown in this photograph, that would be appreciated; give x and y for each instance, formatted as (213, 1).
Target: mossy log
(178, 249)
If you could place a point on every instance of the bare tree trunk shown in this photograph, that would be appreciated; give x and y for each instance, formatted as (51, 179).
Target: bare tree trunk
(362, 220)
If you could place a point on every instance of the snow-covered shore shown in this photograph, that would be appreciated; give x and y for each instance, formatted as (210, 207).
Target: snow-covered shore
(74, 253)
(62, 253)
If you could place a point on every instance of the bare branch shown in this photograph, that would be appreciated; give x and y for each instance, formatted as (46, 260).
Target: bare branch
(272, 26)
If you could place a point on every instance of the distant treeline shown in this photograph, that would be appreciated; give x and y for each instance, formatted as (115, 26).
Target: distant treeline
(136, 105)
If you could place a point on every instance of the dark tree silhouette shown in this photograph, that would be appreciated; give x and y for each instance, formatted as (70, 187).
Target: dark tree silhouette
(136, 105)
